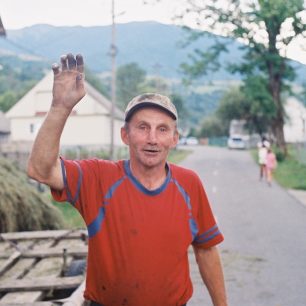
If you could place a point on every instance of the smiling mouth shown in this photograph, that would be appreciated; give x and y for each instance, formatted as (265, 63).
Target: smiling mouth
(151, 151)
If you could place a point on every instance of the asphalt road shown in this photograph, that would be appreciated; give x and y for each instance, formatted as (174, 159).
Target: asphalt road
(264, 252)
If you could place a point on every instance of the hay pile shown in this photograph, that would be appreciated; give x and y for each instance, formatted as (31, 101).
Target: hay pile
(22, 207)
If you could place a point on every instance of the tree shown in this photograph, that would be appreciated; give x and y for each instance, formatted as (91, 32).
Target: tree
(129, 80)
(212, 126)
(233, 105)
(155, 84)
(97, 83)
(250, 102)
(178, 101)
(266, 28)
(7, 100)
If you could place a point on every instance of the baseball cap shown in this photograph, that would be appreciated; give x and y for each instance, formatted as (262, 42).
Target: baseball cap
(150, 100)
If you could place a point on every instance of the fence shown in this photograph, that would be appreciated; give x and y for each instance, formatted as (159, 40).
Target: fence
(19, 152)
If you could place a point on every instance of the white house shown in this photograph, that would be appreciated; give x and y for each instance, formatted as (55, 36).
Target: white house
(295, 123)
(88, 125)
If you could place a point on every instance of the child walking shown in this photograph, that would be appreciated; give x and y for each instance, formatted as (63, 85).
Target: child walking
(271, 164)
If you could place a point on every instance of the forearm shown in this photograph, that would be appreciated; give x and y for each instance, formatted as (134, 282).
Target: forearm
(68, 89)
(210, 267)
(44, 158)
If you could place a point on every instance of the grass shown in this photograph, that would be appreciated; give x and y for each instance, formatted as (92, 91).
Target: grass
(72, 217)
(177, 155)
(290, 173)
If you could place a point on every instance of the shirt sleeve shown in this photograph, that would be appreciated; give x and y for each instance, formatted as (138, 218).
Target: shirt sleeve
(81, 187)
(208, 231)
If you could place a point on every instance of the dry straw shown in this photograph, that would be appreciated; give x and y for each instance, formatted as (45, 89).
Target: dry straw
(22, 207)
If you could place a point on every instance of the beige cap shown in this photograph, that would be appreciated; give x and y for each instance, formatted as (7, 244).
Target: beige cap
(150, 100)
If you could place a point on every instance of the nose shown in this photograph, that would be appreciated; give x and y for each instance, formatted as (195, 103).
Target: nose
(152, 139)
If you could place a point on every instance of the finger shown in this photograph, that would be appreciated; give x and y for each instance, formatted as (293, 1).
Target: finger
(80, 63)
(55, 68)
(64, 62)
(80, 81)
(71, 61)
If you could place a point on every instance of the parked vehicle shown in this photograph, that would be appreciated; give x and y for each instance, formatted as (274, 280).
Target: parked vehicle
(236, 142)
(189, 141)
(240, 137)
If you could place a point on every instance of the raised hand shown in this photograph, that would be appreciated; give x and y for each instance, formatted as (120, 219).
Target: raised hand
(68, 86)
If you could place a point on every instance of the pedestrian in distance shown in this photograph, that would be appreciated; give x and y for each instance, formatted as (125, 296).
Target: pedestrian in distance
(262, 159)
(271, 165)
(142, 214)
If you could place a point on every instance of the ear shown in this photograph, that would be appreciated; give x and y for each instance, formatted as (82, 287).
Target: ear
(125, 135)
(175, 139)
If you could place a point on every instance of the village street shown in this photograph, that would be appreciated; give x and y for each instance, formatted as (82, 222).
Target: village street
(264, 228)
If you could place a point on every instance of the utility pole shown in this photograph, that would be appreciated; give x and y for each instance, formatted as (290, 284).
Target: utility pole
(113, 93)
(2, 29)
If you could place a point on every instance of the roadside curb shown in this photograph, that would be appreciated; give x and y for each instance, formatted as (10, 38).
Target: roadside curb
(299, 195)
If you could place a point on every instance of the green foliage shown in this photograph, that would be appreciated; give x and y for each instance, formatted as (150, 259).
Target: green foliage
(250, 102)
(72, 217)
(291, 174)
(212, 127)
(130, 77)
(16, 78)
(248, 21)
(179, 103)
(200, 105)
(202, 62)
(155, 84)
(233, 105)
(176, 155)
(93, 80)
(7, 100)
(280, 156)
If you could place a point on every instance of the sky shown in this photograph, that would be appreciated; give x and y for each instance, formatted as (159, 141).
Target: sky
(16, 14)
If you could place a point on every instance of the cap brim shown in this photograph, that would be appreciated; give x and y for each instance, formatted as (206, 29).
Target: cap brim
(138, 106)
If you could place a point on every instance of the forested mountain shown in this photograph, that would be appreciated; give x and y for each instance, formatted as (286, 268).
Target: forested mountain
(154, 46)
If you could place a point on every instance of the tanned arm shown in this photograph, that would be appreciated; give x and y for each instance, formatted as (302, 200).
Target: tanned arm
(68, 89)
(212, 274)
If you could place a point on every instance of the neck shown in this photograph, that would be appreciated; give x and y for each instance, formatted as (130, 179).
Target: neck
(150, 177)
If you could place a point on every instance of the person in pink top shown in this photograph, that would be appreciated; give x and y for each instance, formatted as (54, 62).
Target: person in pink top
(271, 164)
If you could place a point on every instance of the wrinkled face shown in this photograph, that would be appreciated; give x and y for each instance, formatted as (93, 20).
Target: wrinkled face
(150, 134)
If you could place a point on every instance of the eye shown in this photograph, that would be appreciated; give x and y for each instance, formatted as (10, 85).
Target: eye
(163, 129)
(142, 127)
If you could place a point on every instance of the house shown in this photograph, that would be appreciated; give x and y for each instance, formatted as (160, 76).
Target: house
(295, 123)
(89, 123)
(4, 129)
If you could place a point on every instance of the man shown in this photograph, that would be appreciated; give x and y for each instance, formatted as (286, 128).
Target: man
(142, 214)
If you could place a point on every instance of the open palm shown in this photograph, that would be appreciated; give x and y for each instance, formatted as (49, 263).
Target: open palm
(68, 86)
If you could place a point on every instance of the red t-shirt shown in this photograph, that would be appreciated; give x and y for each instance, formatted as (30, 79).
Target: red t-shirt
(138, 238)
